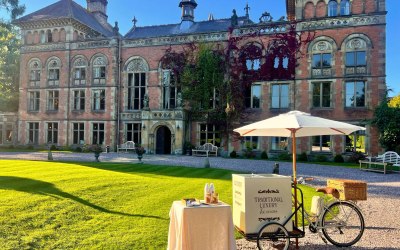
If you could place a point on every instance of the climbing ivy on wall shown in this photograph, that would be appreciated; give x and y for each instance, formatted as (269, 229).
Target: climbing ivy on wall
(232, 69)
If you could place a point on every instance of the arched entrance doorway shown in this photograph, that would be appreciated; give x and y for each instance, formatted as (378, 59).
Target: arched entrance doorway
(163, 140)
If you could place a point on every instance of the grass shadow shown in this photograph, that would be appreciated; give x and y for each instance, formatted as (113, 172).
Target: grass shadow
(48, 189)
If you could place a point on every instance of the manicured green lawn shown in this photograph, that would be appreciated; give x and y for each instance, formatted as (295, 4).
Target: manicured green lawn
(50, 205)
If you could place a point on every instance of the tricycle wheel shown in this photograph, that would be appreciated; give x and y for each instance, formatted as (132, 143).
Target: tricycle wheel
(273, 236)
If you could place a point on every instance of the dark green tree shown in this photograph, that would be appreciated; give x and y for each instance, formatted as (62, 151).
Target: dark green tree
(387, 120)
(9, 56)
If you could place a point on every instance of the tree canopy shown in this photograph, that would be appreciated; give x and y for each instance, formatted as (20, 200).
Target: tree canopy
(9, 56)
(387, 120)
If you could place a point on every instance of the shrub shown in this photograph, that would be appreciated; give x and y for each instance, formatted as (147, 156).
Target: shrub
(30, 147)
(338, 158)
(248, 153)
(356, 156)
(321, 158)
(264, 155)
(233, 154)
(53, 147)
(284, 157)
(302, 157)
(78, 149)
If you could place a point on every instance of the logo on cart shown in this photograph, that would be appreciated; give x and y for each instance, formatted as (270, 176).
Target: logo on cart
(269, 218)
(268, 191)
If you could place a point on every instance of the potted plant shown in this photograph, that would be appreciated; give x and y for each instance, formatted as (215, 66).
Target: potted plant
(96, 149)
(188, 148)
(140, 151)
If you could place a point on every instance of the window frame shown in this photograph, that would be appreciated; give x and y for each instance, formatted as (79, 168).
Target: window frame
(321, 141)
(277, 140)
(279, 96)
(206, 131)
(79, 100)
(34, 101)
(78, 133)
(33, 133)
(136, 91)
(35, 70)
(52, 132)
(133, 130)
(98, 100)
(53, 73)
(98, 133)
(321, 94)
(356, 135)
(332, 8)
(253, 140)
(354, 95)
(99, 71)
(53, 100)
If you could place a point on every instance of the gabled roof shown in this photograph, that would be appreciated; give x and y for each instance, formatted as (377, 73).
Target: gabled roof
(218, 25)
(66, 9)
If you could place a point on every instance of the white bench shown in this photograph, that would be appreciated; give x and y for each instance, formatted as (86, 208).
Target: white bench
(129, 145)
(206, 149)
(373, 163)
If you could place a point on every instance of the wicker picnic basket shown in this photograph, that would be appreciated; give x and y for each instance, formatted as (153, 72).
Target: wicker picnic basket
(349, 189)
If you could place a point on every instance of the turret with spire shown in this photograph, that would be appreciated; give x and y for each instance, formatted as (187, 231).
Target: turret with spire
(188, 7)
(99, 9)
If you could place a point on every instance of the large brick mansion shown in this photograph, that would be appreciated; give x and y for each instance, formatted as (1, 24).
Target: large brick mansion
(81, 82)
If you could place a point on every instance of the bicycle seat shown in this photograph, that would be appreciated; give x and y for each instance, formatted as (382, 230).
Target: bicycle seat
(329, 190)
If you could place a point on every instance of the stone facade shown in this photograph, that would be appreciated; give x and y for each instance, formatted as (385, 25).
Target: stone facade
(81, 86)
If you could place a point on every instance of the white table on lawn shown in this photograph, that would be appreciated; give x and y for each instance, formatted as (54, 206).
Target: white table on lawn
(205, 227)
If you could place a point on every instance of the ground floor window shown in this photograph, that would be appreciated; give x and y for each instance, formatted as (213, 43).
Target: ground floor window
(321, 143)
(78, 133)
(279, 143)
(33, 132)
(6, 133)
(98, 133)
(280, 96)
(355, 142)
(52, 132)
(134, 132)
(209, 133)
(251, 142)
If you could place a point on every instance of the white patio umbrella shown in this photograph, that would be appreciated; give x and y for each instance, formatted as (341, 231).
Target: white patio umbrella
(296, 124)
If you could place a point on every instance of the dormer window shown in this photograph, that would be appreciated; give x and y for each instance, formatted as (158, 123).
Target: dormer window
(332, 8)
(344, 8)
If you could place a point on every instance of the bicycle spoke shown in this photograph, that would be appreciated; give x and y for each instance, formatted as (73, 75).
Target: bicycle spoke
(343, 224)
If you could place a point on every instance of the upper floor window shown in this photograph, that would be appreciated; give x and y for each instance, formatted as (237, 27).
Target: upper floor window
(280, 96)
(322, 59)
(79, 71)
(52, 100)
(253, 99)
(49, 36)
(53, 78)
(99, 70)
(321, 94)
(79, 100)
(35, 68)
(355, 94)
(214, 99)
(137, 82)
(171, 89)
(33, 100)
(99, 99)
(344, 8)
(356, 57)
(332, 8)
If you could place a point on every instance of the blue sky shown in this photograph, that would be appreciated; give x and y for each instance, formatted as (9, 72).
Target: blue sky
(155, 12)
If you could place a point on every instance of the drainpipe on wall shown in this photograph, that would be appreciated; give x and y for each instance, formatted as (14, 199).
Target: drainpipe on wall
(119, 88)
(68, 89)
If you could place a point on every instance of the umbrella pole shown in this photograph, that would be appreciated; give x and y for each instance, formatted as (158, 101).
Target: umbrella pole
(295, 181)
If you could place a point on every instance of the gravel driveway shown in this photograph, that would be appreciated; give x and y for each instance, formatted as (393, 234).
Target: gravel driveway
(381, 210)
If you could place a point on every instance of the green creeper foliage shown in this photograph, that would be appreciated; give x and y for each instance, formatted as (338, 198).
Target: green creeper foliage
(387, 120)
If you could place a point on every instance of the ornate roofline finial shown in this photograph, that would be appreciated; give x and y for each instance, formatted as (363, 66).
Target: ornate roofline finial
(247, 8)
(134, 20)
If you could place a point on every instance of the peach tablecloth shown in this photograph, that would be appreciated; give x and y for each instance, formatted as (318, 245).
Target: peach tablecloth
(207, 227)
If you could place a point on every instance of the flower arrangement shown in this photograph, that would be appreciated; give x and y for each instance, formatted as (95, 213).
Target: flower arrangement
(140, 150)
(97, 149)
